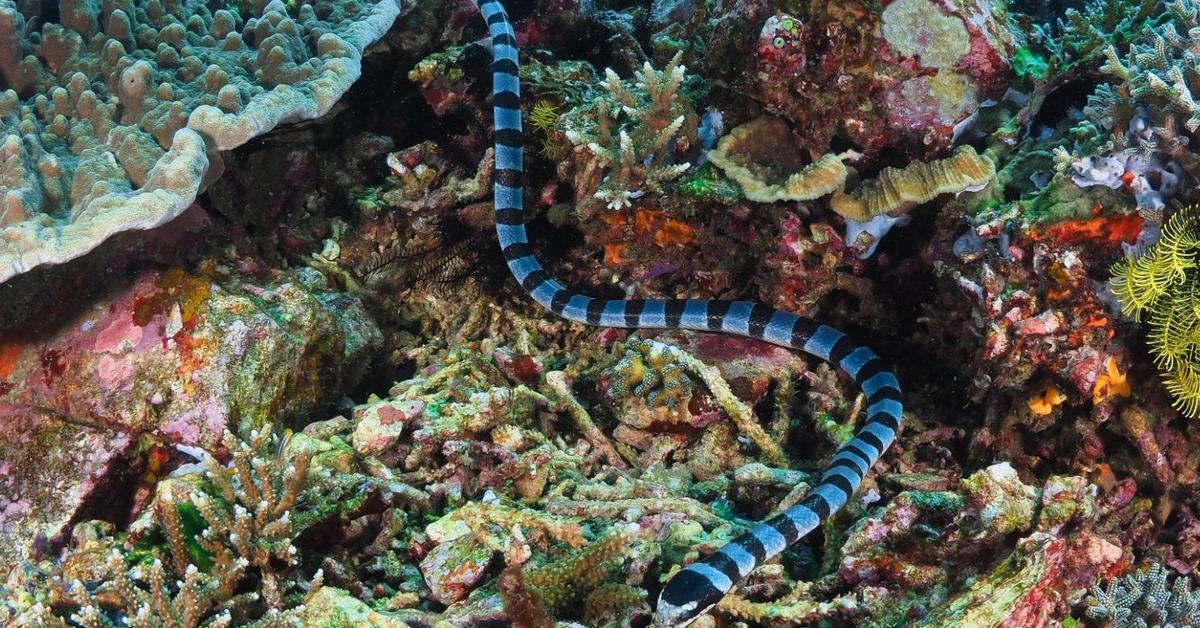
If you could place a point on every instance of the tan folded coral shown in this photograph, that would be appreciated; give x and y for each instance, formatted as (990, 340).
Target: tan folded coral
(761, 157)
(898, 189)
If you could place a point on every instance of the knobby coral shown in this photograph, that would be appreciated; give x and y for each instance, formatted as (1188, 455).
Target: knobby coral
(113, 115)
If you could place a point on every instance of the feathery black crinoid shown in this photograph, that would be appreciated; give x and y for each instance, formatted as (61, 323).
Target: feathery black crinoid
(461, 255)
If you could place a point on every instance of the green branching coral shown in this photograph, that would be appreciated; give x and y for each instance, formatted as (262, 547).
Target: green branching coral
(246, 515)
(1080, 35)
(1155, 87)
(1146, 598)
(630, 132)
(1161, 284)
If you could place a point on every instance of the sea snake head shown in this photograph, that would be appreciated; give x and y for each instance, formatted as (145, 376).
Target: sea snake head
(687, 596)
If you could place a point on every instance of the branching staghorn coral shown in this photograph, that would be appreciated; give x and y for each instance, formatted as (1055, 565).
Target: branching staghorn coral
(1150, 111)
(1080, 35)
(614, 604)
(566, 581)
(1161, 284)
(251, 522)
(1147, 597)
(633, 135)
(199, 599)
(249, 528)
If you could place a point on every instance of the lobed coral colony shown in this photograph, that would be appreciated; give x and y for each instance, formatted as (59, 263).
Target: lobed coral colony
(592, 313)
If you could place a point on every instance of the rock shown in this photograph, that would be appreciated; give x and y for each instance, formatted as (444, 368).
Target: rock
(897, 77)
(377, 426)
(454, 568)
(169, 357)
(331, 606)
(1003, 504)
(1035, 587)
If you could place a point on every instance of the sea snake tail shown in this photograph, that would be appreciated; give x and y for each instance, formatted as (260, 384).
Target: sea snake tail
(702, 584)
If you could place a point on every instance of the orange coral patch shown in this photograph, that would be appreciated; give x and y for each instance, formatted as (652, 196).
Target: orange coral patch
(172, 287)
(1110, 383)
(1044, 402)
(1112, 228)
(674, 232)
(612, 253)
(644, 220)
(1095, 321)
(9, 352)
(615, 220)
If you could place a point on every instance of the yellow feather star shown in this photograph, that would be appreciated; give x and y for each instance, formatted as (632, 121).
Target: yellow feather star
(1164, 284)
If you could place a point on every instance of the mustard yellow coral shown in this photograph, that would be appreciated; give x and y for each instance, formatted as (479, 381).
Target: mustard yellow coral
(769, 167)
(896, 189)
(566, 581)
(543, 115)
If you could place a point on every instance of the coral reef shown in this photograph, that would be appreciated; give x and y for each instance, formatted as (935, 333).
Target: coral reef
(247, 514)
(899, 76)
(420, 445)
(173, 358)
(768, 167)
(898, 189)
(112, 118)
(1145, 117)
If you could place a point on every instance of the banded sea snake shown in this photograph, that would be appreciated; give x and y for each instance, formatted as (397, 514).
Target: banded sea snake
(696, 588)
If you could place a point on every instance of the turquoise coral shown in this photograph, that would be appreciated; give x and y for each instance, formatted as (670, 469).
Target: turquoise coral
(1146, 597)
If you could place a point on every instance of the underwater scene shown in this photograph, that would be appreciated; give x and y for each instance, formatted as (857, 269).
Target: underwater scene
(613, 313)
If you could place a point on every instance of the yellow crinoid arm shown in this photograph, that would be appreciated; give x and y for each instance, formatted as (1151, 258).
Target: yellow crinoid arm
(1138, 283)
(1183, 382)
(1174, 327)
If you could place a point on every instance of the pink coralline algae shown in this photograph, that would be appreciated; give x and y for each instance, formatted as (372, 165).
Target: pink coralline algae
(903, 76)
(172, 357)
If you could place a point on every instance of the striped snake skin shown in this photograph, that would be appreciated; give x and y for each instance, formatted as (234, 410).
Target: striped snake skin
(698, 587)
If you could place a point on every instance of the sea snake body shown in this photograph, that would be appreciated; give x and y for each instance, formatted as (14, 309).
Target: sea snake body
(702, 584)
